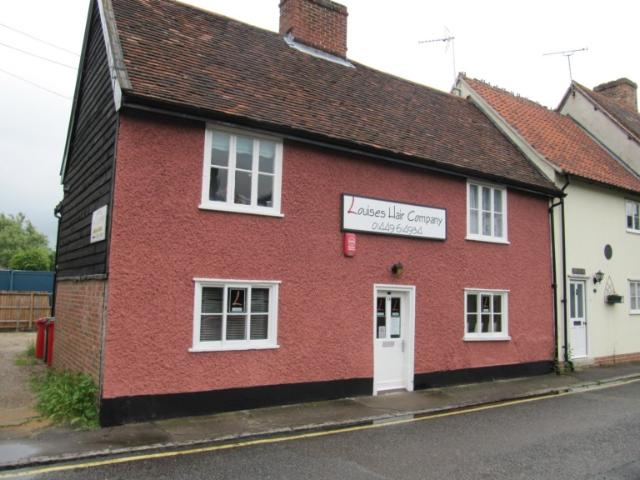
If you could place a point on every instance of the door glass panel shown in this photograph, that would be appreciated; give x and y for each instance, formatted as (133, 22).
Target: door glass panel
(580, 299)
(572, 300)
(395, 317)
(381, 320)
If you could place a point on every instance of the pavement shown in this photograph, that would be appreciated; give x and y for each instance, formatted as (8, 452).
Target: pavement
(17, 402)
(23, 447)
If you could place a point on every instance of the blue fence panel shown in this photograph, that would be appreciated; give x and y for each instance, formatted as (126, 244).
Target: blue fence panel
(26, 281)
(5, 279)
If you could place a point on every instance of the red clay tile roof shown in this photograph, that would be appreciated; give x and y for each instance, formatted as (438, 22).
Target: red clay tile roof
(628, 118)
(183, 56)
(557, 137)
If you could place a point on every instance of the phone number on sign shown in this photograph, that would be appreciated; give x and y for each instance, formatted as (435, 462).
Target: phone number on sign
(397, 228)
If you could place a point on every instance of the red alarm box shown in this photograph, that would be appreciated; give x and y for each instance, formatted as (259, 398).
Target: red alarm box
(349, 244)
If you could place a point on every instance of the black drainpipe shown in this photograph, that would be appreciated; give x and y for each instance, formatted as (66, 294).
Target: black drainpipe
(58, 215)
(564, 273)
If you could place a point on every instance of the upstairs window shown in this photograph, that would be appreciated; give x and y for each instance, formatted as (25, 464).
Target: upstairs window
(486, 213)
(242, 173)
(633, 216)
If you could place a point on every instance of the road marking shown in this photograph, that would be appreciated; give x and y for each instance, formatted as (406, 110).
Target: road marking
(299, 436)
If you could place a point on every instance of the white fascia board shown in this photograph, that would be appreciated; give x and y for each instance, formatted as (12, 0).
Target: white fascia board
(544, 166)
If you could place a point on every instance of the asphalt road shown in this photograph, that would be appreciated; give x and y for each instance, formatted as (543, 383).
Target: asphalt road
(590, 435)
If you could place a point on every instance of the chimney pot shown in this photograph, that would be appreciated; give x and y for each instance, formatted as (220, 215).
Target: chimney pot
(622, 90)
(320, 24)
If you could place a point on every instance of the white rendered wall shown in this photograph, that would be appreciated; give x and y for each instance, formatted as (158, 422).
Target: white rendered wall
(595, 217)
(603, 128)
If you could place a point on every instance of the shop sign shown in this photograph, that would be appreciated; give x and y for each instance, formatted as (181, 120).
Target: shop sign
(385, 217)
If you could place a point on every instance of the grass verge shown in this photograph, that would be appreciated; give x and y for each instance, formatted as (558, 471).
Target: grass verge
(28, 357)
(67, 398)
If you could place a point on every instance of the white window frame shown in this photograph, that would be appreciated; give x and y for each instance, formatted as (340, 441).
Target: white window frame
(223, 344)
(488, 336)
(632, 283)
(626, 206)
(479, 236)
(229, 205)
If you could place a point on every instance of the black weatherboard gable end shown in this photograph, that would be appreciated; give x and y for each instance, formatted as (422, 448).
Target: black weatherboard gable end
(88, 174)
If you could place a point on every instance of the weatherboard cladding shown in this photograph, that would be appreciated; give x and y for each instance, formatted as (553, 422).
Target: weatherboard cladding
(182, 57)
(88, 175)
(557, 137)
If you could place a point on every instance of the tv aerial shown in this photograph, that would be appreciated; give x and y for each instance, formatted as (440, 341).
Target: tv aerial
(448, 40)
(568, 54)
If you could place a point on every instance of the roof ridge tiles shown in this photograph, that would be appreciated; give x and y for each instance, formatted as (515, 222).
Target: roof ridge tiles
(509, 92)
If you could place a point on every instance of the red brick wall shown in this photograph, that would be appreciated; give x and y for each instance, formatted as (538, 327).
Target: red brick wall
(319, 23)
(615, 359)
(623, 91)
(80, 313)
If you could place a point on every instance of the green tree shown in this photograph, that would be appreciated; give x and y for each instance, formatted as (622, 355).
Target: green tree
(35, 258)
(17, 234)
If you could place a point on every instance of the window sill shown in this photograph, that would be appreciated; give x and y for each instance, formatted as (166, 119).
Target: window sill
(487, 240)
(635, 232)
(233, 348)
(240, 209)
(634, 312)
(488, 338)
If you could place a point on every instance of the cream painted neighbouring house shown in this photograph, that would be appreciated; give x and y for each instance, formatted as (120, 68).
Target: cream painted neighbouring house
(609, 112)
(596, 226)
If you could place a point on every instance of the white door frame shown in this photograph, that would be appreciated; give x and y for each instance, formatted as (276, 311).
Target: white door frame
(584, 282)
(408, 366)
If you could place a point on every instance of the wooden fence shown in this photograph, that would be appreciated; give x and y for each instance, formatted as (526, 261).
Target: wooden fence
(19, 310)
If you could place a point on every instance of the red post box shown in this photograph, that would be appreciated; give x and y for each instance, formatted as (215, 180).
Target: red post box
(49, 353)
(41, 324)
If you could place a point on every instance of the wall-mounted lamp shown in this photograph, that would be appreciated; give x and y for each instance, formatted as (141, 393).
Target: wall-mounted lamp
(397, 269)
(597, 277)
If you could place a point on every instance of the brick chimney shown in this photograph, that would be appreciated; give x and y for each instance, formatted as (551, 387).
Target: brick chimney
(320, 24)
(623, 91)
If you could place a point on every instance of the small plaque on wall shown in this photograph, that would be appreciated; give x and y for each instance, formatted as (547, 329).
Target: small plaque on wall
(99, 225)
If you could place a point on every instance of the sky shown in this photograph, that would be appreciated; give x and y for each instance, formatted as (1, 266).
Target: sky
(497, 41)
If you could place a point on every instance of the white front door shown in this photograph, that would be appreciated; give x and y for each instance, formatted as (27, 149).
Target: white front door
(577, 319)
(393, 340)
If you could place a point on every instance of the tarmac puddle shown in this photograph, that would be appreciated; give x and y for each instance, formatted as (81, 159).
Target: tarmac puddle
(15, 451)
